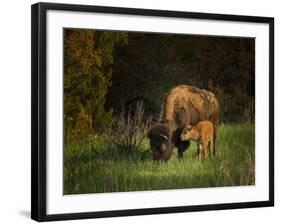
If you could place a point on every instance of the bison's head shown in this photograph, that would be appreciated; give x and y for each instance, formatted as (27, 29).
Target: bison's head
(160, 143)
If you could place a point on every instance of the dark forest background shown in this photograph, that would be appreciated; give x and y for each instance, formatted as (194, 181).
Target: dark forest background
(107, 71)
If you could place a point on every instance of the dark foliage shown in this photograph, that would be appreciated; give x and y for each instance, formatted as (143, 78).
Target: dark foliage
(151, 64)
(104, 70)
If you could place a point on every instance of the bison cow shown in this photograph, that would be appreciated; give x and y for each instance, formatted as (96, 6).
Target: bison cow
(183, 105)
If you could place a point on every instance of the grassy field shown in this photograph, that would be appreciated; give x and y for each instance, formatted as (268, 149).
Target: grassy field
(95, 166)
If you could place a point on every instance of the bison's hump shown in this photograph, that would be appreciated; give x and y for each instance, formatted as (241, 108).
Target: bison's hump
(195, 104)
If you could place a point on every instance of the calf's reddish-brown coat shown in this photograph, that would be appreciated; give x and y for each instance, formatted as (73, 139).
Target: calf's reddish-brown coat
(202, 133)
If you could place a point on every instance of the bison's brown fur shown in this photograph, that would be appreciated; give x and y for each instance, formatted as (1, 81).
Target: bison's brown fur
(202, 133)
(183, 105)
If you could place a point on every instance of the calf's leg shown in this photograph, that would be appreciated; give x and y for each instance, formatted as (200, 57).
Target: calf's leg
(209, 149)
(205, 146)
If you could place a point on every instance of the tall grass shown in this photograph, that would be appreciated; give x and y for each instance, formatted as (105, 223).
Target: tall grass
(95, 165)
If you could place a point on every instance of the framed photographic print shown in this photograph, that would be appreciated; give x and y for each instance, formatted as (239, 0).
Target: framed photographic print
(138, 111)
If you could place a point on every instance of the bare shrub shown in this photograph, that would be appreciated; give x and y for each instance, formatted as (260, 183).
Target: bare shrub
(130, 128)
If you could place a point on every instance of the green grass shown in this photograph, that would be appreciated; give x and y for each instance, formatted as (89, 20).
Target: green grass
(95, 166)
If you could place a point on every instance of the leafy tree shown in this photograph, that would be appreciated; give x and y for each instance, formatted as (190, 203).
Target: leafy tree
(87, 76)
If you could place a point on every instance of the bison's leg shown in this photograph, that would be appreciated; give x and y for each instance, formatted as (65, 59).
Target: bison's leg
(180, 154)
(180, 150)
(183, 145)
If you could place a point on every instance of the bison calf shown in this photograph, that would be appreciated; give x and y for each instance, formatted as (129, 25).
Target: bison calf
(202, 133)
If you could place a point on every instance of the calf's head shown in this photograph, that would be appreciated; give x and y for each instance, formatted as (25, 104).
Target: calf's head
(186, 133)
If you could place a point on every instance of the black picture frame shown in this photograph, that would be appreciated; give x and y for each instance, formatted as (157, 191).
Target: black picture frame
(38, 110)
